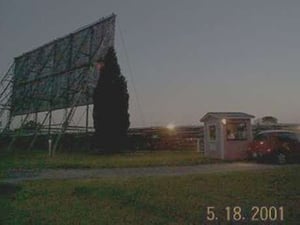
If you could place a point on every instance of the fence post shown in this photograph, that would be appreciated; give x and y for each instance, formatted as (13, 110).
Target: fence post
(50, 146)
(198, 145)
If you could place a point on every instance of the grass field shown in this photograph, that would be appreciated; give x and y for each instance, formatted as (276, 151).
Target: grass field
(153, 200)
(41, 160)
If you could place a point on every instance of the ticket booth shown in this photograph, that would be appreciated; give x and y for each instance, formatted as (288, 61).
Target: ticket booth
(227, 134)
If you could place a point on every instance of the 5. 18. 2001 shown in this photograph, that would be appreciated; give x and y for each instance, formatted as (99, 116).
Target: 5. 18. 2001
(257, 213)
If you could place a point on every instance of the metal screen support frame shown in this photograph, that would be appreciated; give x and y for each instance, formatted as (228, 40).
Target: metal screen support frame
(87, 119)
(15, 137)
(81, 89)
(40, 67)
(5, 97)
(18, 132)
(37, 131)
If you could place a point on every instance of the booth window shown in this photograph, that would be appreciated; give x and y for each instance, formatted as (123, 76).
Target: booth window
(212, 132)
(236, 131)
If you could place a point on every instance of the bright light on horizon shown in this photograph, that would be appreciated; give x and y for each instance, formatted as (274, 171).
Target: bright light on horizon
(171, 126)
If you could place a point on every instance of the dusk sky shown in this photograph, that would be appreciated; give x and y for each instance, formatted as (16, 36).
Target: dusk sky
(187, 57)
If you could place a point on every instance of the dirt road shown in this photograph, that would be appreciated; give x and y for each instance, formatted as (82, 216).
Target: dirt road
(15, 176)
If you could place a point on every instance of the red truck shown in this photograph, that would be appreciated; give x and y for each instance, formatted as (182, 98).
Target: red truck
(280, 146)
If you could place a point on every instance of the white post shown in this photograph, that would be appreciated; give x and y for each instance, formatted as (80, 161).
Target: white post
(50, 146)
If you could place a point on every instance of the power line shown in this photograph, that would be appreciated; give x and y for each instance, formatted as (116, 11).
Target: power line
(131, 75)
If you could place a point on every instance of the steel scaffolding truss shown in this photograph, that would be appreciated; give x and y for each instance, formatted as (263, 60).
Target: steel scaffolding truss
(59, 75)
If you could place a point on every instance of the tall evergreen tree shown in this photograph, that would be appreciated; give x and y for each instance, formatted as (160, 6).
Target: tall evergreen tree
(111, 117)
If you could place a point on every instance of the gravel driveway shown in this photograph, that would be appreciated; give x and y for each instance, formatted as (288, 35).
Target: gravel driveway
(15, 176)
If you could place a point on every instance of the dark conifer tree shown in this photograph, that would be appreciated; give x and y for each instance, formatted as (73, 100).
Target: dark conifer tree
(111, 117)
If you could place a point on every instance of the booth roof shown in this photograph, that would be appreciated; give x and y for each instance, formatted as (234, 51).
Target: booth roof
(226, 115)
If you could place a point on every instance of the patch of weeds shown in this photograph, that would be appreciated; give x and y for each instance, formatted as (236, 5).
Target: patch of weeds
(72, 166)
(9, 190)
(84, 191)
(8, 193)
